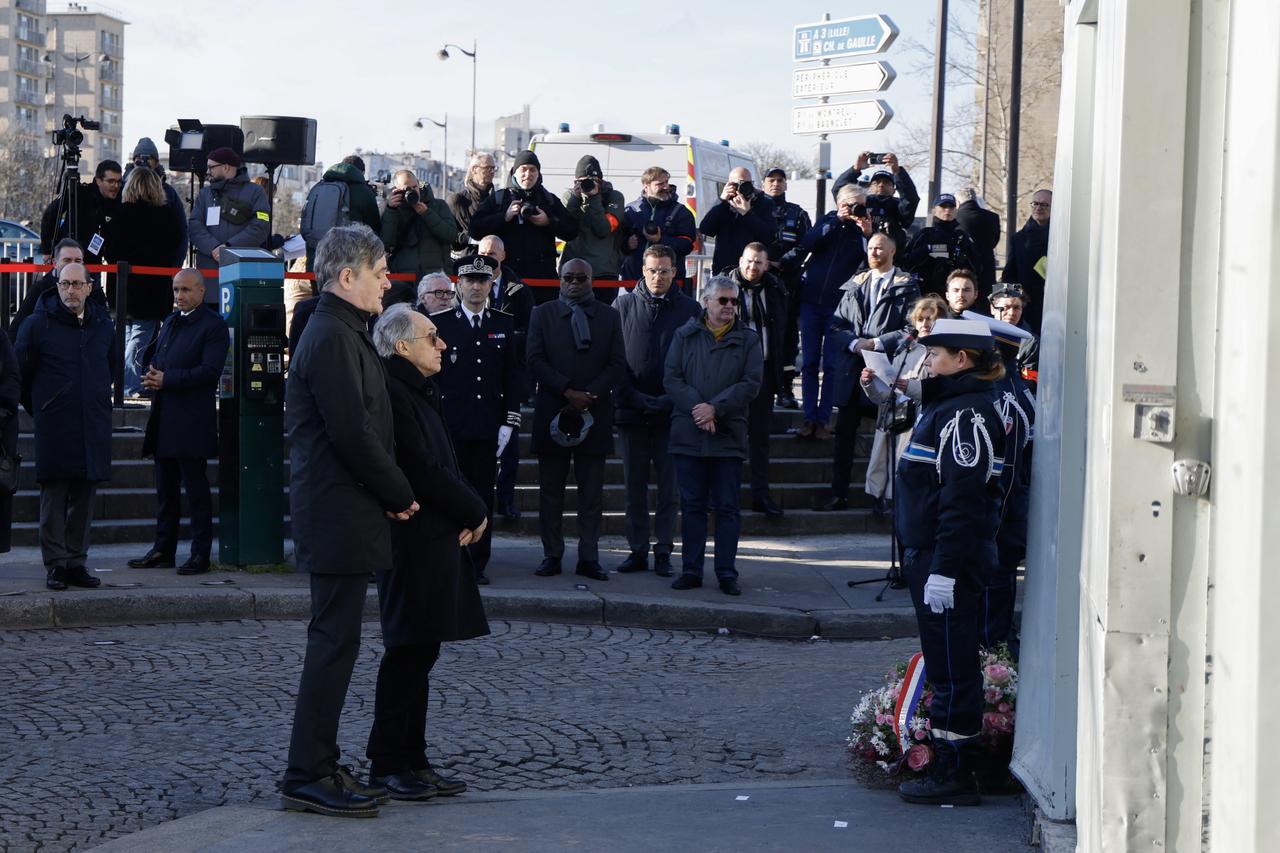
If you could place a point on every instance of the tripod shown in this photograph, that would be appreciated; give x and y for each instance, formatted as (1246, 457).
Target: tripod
(67, 221)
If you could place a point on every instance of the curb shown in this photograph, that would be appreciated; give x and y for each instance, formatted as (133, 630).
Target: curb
(153, 606)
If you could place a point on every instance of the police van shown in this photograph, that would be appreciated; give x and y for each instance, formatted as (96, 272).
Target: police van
(699, 168)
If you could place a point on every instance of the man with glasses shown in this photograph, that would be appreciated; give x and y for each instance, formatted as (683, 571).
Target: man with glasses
(477, 187)
(1009, 303)
(657, 217)
(65, 251)
(651, 313)
(435, 293)
(67, 353)
(1028, 255)
(231, 210)
(96, 203)
(480, 389)
(577, 358)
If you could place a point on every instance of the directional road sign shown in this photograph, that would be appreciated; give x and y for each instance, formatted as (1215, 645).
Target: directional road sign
(860, 36)
(841, 79)
(840, 118)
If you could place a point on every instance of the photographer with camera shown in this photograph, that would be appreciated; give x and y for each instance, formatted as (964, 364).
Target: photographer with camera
(743, 215)
(96, 203)
(528, 219)
(231, 210)
(418, 230)
(146, 156)
(656, 218)
(889, 213)
(600, 212)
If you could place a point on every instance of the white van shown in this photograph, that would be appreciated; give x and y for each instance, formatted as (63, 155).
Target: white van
(699, 168)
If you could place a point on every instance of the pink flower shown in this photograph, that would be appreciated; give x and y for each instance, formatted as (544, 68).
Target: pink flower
(997, 722)
(1003, 708)
(992, 695)
(919, 756)
(922, 735)
(997, 673)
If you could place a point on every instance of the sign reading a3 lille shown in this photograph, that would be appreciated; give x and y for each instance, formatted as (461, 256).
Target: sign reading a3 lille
(860, 36)
(840, 118)
(841, 79)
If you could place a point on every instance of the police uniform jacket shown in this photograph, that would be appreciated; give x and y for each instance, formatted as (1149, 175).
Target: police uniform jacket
(512, 296)
(948, 494)
(936, 251)
(856, 317)
(191, 352)
(1017, 407)
(479, 379)
(792, 222)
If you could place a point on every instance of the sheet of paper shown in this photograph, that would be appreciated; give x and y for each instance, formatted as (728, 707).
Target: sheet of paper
(878, 362)
(212, 216)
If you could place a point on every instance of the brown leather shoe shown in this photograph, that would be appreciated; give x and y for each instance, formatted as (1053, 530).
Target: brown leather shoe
(821, 433)
(805, 430)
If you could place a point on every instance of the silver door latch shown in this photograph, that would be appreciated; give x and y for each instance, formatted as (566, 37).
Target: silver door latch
(1191, 477)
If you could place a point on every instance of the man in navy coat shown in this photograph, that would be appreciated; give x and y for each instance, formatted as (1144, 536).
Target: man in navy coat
(183, 367)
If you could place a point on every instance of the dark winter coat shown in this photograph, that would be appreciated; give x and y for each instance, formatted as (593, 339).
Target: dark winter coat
(362, 203)
(724, 373)
(244, 220)
(10, 397)
(791, 222)
(649, 324)
(733, 231)
(855, 318)
(39, 287)
(836, 250)
(428, 595)
(602, 226)
(555, 363)
(343, 476)
(678, 233)
(173, 203)
(1030, 247)
(144, 235)
(92, 213)
(531, 249)
(935, 252)
(464, 205)
(893, 214)
(775, 305)
(67, 367)
(514, 297)
(1017, 407)
(419, 243)
(190, 351)
(983, 227)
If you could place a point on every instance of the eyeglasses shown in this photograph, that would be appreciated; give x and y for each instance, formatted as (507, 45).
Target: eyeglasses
(1041, 203)
(575, 278)
(727, 300)
(72, 285)
(663, 273)
(434, 337)
(111, 182)
(440, 294)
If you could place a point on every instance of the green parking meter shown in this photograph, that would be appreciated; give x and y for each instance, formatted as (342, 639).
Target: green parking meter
(251, 505)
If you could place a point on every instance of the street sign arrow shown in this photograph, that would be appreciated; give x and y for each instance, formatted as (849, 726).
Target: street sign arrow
(859, 36)
(841, 79)
(841, 118)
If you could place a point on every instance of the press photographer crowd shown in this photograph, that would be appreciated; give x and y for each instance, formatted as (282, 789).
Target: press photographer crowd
(403, 399)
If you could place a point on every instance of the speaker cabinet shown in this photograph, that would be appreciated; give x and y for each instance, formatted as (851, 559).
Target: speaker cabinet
(279, 140)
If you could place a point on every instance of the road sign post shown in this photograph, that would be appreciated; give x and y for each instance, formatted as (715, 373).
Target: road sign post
(846, 37)
(841, 79)
(841, 118)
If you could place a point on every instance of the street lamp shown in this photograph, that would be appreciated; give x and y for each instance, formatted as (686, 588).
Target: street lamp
(443, 54)
(444, 159)
(102, 58)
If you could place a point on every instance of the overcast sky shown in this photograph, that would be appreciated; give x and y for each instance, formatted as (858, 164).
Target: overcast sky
(366, 70)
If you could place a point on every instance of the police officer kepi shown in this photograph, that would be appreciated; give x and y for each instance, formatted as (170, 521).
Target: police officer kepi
(1017, 407)
(793, 223)
(479, 383)
(946, 514)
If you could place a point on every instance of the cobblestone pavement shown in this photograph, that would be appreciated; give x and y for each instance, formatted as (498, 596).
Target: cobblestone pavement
(106, 731)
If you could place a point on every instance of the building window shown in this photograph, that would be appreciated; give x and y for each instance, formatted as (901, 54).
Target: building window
(28, 120)
(28, 90)
(110, 122)
(111, 43)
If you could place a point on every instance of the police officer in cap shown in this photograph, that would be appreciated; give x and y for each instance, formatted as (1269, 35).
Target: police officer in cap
(940, 248)
(480, 386)
(793, 223)
(947, 512)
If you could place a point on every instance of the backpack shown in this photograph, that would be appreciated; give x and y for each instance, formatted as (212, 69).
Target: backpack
(328, 206)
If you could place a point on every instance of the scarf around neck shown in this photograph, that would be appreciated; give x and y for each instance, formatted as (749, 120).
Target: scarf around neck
(579, 321)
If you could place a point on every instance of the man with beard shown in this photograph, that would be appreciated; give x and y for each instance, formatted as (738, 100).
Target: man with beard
(475, 189)
(96, 203)
(1028, 255)
(231, 210)
(599, 210)
(939, 249)
(657, 218)
(792, 222)
(889, 213)
(528, 218)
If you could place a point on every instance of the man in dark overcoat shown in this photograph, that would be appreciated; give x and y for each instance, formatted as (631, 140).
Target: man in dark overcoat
(577, 358)
(183, 366)
(344, 485)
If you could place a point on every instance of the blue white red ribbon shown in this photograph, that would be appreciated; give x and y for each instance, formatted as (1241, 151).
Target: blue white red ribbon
(908, 698)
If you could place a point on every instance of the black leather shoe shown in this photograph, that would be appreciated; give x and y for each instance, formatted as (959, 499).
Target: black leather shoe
(591, 569)
(55, 579)
(686, 582)
(767, 506)
(406, 786)
(153, 559)
(482, 579)
(329, 797)
(194, 566)
(507, 509)
(788, 401)
(730, 587)
(634, 563)
(662, 565)
(80, 577)
(347, 777)
(880, 508)
(831, 504)
(550, 566)
(446, 787)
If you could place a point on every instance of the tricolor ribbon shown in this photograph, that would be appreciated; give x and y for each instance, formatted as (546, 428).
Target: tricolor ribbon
(908, 697)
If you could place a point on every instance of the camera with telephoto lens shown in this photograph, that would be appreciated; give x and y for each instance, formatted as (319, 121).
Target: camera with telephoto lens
(586, 185)
(746, 189)
(412, 196)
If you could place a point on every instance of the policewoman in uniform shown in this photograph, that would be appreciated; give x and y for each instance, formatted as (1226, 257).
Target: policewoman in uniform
(480, 388)
(947, 513)
(1017, 407)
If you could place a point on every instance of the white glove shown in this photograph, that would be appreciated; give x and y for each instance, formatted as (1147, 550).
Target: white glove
(939, 593)
(504, 436)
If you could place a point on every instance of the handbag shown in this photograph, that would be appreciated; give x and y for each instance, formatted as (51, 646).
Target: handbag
(898, 415)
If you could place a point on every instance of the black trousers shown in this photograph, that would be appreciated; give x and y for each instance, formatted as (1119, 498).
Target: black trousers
(479, 465)
(588, 473)
(172, 475)
(644, 445)
(759, 421)
(333, 641)
(398, 739)
(949, 641)
(791, 338)
(846, 434)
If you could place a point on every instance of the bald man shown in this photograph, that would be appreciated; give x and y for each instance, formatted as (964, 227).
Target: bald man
(743, 215)
(182, 370)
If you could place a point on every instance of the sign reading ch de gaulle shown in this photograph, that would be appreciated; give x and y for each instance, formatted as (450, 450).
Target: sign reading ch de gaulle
(865, 34)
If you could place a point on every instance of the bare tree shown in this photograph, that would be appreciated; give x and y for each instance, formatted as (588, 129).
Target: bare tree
(26, 178)
(768, 156)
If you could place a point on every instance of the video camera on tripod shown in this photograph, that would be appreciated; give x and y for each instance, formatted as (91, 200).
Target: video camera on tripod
(69, 137)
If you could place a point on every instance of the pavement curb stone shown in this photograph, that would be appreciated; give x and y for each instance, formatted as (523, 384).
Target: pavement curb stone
(128, 607)
(642, 611)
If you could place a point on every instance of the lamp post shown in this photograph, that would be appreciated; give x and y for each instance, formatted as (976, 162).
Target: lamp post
(444, 158)
(443, 53)
(76, 58)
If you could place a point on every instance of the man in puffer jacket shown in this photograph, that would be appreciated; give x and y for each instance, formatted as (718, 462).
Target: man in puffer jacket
(231, 210)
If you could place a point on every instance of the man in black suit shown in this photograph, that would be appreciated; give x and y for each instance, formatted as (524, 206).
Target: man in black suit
(343, 486)
(183, 367)
(577, 358)
(480, 388)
